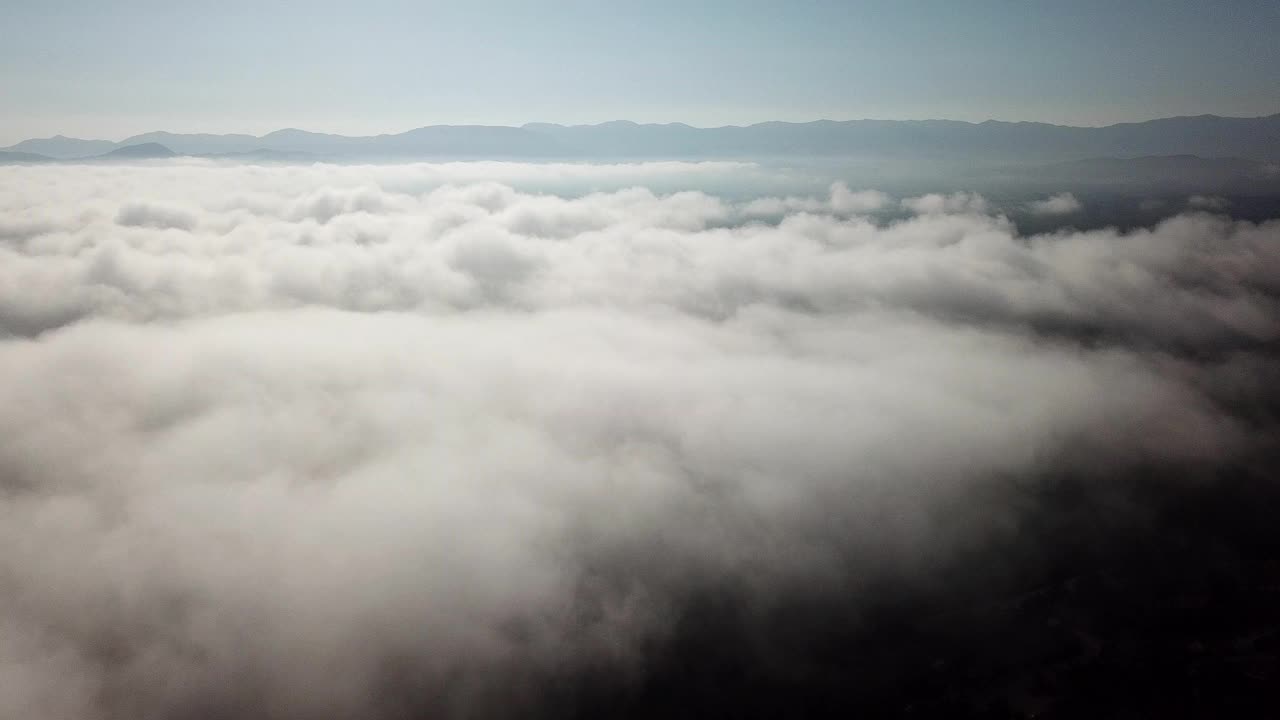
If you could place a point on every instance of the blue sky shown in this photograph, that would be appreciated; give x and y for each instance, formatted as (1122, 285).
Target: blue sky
(99, 69)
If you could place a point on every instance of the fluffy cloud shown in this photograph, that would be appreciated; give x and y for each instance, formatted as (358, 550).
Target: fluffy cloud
(1060, 204)
(842, 201)
(234, 246)
(1208, 202)
(351, 442)
(939, 204)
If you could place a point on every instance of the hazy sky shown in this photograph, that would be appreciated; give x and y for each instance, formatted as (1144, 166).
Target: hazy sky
(94, 69)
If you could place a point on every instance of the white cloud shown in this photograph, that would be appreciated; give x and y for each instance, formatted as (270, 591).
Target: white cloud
(841, 201)
(1208, 202)
(1060, 204)
(272, 433)
(938, 204)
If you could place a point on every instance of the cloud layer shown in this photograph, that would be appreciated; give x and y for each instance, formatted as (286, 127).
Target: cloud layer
(364, 442)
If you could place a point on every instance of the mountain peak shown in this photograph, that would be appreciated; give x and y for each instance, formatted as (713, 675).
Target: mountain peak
(141, 151)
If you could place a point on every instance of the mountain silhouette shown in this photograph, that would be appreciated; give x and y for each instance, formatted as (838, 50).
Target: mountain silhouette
(941, 141)
(62, 147)
(23, 157)
(140, 151)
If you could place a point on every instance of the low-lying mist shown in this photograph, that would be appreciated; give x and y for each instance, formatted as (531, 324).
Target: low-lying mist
(497, 439)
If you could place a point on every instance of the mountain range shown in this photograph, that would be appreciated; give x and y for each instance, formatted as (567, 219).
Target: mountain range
(1255, 139)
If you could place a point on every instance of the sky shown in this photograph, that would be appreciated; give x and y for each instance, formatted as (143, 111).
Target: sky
(108, 70)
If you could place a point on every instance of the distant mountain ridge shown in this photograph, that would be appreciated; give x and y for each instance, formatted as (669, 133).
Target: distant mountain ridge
(23, 157)
(938, 140)
(62, 147)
